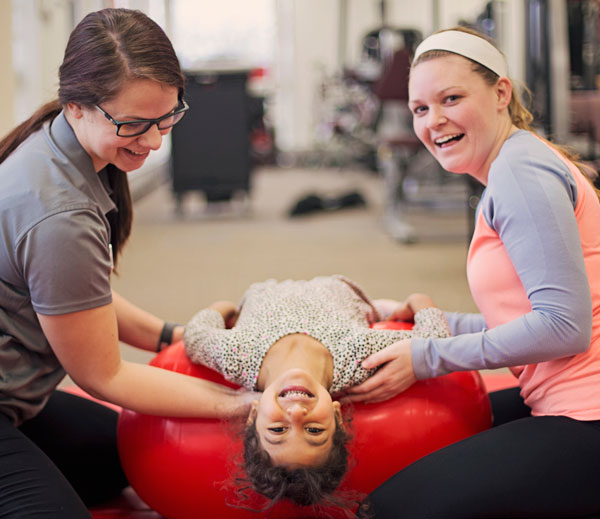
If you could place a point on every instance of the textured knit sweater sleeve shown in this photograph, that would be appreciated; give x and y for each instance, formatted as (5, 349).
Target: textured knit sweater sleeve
(529, 202)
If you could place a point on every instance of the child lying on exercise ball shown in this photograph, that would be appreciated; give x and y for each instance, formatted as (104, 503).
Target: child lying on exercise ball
(299, 343)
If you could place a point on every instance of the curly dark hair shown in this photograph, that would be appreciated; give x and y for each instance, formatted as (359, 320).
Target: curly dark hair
(303, 486)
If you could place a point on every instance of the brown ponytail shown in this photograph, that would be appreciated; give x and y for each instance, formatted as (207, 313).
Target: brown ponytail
(11, 141)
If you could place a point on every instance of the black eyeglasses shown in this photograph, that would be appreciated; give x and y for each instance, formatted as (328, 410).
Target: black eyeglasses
(139, 126)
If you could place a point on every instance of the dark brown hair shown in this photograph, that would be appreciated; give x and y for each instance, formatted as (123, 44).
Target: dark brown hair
(520, 116)
(107, 49)
(305, 486)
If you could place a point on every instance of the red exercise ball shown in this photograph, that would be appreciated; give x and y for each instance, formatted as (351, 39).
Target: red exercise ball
(184, 468)
(393, 325)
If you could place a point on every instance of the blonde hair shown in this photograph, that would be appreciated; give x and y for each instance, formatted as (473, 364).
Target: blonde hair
(520, 116)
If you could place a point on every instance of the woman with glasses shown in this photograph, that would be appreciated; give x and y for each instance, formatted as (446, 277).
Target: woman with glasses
(65, 214)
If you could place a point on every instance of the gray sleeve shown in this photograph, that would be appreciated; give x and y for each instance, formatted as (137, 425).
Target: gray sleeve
(65, 261)
(533, 212)
(465, 323)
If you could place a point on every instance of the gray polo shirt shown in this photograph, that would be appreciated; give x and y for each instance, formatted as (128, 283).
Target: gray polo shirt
(54, 257)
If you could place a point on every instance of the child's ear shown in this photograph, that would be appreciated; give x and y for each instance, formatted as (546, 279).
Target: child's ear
(252, 414)
(337, 411)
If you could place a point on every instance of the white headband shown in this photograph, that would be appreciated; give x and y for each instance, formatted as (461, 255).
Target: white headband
(467, 45)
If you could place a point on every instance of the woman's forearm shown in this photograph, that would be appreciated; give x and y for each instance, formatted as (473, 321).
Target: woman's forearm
(465, 323)
(86, 345)
(137, 327)
(151, 390)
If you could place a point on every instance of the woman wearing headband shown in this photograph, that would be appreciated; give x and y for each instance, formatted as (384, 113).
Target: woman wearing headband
(534, 271)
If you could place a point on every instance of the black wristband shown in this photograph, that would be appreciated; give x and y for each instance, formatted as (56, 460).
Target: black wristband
(166, 335)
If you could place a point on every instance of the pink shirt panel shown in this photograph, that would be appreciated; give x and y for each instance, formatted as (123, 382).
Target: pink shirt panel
(569, 386)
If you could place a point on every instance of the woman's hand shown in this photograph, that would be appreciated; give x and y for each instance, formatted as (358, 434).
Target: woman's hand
(228, 311)
(246, 397)
(394, 376)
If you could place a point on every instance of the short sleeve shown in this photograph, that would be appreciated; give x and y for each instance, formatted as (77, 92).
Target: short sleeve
(66, 262)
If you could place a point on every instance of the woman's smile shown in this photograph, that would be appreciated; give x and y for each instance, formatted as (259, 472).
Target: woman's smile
(448, 140)
(139, 156)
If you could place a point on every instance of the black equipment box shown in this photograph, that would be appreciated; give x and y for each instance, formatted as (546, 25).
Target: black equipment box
(210, 146)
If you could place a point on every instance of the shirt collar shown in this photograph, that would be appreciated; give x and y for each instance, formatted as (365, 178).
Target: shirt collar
(64, 141)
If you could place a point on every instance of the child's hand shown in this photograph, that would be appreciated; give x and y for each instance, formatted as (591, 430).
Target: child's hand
(246, 399)
(416, 302)
(386, 308)
(228, 311)
(405, 311)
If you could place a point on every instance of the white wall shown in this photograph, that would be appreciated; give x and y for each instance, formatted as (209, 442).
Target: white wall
(450, 13)
(307, 32)
(41, 29)
(7, 80)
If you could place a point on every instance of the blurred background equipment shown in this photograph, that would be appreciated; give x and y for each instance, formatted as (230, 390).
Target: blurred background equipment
(325, 89)
(211, 145)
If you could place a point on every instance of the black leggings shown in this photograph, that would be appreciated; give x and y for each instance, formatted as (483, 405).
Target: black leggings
(57, 464)
(524, 467)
